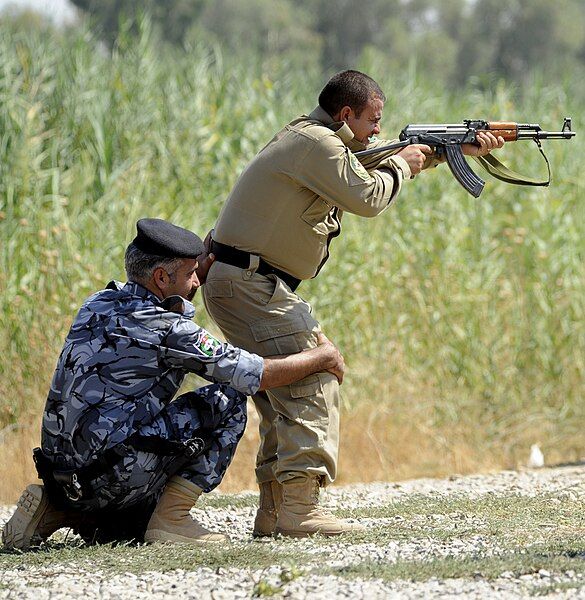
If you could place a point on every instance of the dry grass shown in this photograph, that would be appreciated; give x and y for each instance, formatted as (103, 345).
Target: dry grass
(376, 446)
(16, 465)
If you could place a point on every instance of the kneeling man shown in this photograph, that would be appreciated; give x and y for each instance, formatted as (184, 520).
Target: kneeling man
(119, 457)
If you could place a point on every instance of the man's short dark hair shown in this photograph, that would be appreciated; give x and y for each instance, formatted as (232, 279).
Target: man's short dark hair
(349, 88)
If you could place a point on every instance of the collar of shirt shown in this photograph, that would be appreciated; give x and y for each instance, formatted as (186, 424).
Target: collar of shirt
(341, 129)
(135, 289)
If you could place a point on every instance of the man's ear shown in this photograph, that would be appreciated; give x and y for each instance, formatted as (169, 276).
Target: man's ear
(161, 278)
(345, 113)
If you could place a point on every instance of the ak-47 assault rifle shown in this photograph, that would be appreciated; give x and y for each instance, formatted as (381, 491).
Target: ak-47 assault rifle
(447, 140)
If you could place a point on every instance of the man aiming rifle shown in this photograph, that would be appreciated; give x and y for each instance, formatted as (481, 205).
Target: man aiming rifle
(275, 231)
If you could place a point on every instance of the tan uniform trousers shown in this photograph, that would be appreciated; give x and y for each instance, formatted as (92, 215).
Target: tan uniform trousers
(299, 423)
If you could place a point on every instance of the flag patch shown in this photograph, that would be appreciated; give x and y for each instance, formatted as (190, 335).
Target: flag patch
(207, 343)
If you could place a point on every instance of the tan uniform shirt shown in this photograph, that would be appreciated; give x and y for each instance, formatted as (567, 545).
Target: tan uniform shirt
(287, 204)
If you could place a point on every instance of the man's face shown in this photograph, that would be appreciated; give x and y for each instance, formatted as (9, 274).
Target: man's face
(184, 281)
(368, 123)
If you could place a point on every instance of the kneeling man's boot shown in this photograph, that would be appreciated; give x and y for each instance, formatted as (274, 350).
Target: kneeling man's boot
(300, 514)
(270, 501)
(171, 521)
(35, 519)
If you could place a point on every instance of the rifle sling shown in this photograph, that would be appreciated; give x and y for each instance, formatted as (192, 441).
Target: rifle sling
(500, 171)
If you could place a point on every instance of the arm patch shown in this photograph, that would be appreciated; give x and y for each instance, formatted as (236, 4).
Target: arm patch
(358, 168)
(207, 344)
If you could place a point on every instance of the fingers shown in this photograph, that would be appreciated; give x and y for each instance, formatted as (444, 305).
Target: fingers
(205, 261)
(338, 369)
(207, 240)
(424, 148)
(321, 338)
(487, 142)
(338, 374)
(336, 363)
(415, 155)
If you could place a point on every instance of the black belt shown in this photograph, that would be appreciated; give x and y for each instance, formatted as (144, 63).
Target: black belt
(239, 258)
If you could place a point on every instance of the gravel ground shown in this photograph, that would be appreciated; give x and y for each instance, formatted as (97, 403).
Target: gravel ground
(70, 581)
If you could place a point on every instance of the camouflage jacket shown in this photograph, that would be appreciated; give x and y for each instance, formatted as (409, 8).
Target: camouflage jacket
(124, 358)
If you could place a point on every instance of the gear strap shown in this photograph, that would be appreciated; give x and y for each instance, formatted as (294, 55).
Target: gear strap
(74, 484)
(500, 171)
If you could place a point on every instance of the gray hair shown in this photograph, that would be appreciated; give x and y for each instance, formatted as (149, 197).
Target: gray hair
(140, 266)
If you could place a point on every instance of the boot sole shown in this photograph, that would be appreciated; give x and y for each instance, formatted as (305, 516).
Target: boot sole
(19, 531)
(158, 535)
(262, 534)
(264, 523)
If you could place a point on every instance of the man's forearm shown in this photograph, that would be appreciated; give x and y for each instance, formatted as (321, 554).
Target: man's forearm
(283, 370)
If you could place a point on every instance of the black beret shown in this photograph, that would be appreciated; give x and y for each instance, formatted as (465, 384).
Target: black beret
(161, 238)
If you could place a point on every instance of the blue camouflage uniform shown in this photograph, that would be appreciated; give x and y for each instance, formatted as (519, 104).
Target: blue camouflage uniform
(123, 361)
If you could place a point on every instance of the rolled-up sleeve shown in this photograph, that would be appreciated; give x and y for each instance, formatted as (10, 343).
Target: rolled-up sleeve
(194, 349)
(333, 172)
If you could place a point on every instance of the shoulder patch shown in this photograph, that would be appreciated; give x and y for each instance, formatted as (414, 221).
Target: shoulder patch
(207, 343)
(358, 168)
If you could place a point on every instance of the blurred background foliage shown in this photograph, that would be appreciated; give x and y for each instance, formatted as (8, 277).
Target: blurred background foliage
(462, 321)
(453, 40)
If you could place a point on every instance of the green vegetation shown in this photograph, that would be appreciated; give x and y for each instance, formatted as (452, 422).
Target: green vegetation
(465, 317)
(451, 41)
(559, 559)
(512, 520)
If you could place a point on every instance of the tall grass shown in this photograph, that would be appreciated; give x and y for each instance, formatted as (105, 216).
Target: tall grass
(462, 320)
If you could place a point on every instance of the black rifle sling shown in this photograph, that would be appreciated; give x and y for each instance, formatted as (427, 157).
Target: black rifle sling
(500, 171)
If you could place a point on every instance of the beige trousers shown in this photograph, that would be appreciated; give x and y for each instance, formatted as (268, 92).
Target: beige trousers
(299, 423)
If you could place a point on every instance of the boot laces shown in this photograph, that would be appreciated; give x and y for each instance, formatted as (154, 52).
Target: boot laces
(315, 491)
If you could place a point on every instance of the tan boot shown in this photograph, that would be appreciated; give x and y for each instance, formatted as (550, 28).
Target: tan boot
(300, 514)
(270, 501)
(34, 520)
(171, 521)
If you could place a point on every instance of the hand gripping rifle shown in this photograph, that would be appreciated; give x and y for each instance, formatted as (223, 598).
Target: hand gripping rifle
(446, 139)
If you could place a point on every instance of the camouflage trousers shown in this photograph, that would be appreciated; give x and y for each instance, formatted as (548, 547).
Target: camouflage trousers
(140, 475)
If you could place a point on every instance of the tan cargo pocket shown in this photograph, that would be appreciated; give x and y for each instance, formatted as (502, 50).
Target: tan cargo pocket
(309, 400)
(309, 386)
(282, 335)
(220, 288)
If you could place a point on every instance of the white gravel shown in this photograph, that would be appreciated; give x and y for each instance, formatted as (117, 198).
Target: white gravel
(67, 581)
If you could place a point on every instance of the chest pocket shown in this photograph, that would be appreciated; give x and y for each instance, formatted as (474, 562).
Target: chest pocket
(319, 217)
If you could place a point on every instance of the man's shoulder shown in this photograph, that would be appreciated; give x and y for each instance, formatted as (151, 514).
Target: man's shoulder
(124, 301)
(313, 129)
(304, 137)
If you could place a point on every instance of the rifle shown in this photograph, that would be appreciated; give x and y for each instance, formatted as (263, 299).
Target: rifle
(446, 139)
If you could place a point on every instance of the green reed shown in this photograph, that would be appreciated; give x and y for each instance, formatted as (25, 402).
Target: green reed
(477, 302)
